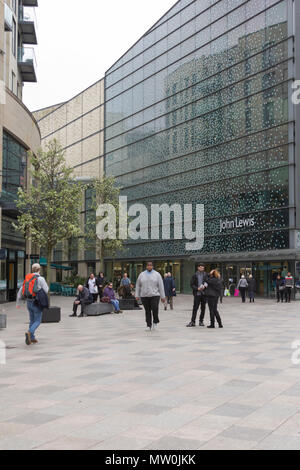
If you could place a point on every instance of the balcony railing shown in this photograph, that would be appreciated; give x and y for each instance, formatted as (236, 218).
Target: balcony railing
(8, 18)
(30, 3)
(27, 64)
(27, 25)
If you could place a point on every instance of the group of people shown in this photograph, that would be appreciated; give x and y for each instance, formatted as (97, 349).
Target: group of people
(284, 287)
(151, 288)
(207, 290)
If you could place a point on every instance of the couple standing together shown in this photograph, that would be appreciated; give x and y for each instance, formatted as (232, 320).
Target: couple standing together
(207, 289)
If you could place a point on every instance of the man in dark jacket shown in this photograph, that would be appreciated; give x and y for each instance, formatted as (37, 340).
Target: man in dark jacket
(84, 298)
(170, 290)
(197, 284)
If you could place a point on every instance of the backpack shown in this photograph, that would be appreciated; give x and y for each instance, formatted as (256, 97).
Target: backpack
(30, 287)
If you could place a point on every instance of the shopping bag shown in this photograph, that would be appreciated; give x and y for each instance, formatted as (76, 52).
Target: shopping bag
(236, 293)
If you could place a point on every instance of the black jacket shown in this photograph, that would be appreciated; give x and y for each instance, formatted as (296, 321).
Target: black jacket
(251, 285)
(280, 283)
(84, 297)
(214, 288)
(194, 282)
(42, 299)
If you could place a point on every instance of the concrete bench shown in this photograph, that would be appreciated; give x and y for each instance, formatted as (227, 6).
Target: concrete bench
(95, 310)
(128, 304)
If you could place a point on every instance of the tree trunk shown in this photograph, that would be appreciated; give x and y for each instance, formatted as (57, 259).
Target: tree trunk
(48, 276)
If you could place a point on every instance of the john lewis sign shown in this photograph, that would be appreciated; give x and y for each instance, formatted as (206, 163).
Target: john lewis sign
(236, 223)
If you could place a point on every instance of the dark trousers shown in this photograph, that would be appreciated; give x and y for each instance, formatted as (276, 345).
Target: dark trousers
(243, 293)
(95, 298)
(280, 294)
(213, 310)
(199, 300)
(288, 293)
(82, 305)
(151, 305)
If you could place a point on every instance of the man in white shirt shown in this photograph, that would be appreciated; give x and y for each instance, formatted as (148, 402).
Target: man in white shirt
(150, 288)
(35, 312)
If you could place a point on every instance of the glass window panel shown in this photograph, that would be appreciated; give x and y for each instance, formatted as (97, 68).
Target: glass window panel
(173, 23)
(219, 10)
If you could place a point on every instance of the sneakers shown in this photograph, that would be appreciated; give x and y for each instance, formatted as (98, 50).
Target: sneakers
(148, 329)
(201, 324)
(155, 326)
(73, 315)
(28, 338)
(191, 325)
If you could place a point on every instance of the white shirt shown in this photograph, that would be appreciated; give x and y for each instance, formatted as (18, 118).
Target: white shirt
(92, 286)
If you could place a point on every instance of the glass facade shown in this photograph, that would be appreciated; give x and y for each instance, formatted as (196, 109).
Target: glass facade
(197, 112)
(14, 166)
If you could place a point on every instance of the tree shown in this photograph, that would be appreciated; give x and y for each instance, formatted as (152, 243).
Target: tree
(104, 191)
(50, 205)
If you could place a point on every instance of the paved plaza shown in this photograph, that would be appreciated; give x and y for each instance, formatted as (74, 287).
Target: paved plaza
(104, 383)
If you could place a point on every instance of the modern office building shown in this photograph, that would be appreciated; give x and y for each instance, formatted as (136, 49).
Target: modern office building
(200, 111)
(19, 133)
(78, 125)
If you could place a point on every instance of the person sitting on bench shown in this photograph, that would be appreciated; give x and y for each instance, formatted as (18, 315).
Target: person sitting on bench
(83, 298)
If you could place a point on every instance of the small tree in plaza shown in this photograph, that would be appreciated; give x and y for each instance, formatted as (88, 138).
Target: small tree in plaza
(50, 205)
(104, 191)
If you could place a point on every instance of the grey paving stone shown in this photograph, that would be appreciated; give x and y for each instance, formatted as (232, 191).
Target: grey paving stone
(244, 433)
(234, 410)
(148, 409)
(34, 419)
(175, 443)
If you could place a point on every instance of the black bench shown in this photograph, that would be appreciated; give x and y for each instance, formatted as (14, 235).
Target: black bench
(51, 315)
(95, 310)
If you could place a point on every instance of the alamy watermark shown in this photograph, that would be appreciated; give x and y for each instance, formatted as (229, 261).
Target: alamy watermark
(160, 222)
(296, 353)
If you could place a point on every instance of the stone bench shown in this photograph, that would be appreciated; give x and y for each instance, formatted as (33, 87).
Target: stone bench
(128, 304)
(95, 310)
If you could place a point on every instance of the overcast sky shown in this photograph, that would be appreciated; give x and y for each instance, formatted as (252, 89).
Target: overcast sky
(80, 40)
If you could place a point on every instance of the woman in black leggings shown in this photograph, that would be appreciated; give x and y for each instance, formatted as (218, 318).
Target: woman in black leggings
(213, 293)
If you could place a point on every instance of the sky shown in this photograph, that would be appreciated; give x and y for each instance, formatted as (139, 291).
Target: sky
(79, 40)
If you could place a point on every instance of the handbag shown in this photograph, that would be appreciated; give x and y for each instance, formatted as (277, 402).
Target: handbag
(281, 288)
(105, 300)
(236, 293)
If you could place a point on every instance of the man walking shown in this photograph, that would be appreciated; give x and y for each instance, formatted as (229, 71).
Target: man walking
(170, 290)
(198, 285)
(83, 298)
(32, 284)
(150, 289)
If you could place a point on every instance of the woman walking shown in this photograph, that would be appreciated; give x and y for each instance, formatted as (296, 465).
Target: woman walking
(251, 288)
(242, 287)
(213, 293)
(280, 288)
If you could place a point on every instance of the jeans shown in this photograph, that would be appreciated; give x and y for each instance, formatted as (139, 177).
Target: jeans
(35, 316)
(116, 305)
(199, 299)
(151, 305)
